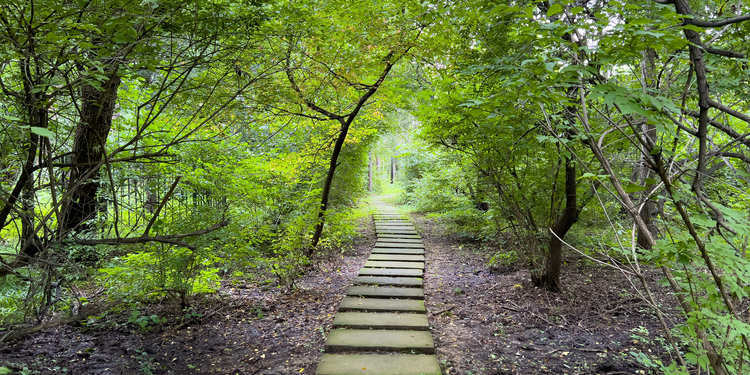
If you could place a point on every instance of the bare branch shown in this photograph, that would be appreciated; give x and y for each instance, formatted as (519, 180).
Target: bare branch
(717, 23)
(724, 128)
(722, 52)
(729, 111)
(173, 239)
(161, 205)
(734, 155)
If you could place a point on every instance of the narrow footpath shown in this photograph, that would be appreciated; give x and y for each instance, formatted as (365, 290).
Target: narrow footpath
(381, 326)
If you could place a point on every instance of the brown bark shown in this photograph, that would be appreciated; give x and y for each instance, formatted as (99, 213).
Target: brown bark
(641, 171)
(550, 278)
(393, 168)
(97, 107)
(369, 171)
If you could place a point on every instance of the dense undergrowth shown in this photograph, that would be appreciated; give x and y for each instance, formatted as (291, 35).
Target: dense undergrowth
(162, 273)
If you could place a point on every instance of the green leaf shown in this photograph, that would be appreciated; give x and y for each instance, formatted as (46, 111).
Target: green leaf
(43, 132)
(125, 34)
(633, 188)
(693, 28)
(703, 220)
(587, 175)
(9, 117)
(554, 9)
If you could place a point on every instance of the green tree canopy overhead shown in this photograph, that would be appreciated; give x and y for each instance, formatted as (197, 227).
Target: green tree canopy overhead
(167, 144)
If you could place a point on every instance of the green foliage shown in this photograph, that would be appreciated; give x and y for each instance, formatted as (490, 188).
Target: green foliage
(12, 300)
(241, 102)
(144, 322)
(342, 229)
(517, 89)
(159, 271)
(434, 192)
(506, 258)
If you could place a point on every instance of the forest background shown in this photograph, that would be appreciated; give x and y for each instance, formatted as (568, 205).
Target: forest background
(152, 150)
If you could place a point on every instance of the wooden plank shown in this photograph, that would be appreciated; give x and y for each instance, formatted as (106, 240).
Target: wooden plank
(397, 250)
(383, 264)
(378, 364)
(390, 272)
(381, 304)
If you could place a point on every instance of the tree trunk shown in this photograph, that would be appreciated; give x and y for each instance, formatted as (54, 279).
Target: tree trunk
(641, 171)
(393, 168)
(97, 107)
(369, 171)
(23, 191)
(345, 122)
(327, 185)
(550, 278)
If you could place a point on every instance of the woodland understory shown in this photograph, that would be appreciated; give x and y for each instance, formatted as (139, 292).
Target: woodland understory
(186, 187)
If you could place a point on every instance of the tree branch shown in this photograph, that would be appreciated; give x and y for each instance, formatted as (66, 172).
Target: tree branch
(716, 23)
(161, 205)
(723, 52)
(173, 239)
(724, 128)
(729, 111)
(734, 155)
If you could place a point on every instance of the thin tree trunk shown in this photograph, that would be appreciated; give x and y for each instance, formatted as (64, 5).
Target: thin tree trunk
(369, 171)
(550, 278)
(641, 171)
(393, 168)
(23, 191)
(714, 357)
(327, 184)
(345, 121)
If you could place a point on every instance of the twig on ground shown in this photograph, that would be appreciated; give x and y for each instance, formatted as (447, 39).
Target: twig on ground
(443, 311)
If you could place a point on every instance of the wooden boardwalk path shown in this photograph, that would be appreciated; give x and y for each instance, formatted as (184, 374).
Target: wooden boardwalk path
(381, 327)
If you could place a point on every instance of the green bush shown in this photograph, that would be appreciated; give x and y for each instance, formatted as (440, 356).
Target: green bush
(12, 299)
(469, 223)
(505, 258)
(161, 270)
(341, 229)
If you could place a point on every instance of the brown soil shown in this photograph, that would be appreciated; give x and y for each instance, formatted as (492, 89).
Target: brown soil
(483, 323)
(498, 323)
(245, 330)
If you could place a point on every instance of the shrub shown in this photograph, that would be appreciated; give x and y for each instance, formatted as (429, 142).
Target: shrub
(161, 270)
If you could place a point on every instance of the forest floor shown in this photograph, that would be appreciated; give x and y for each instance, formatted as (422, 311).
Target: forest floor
(483, 322)
(496, 322)
(245, 329)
